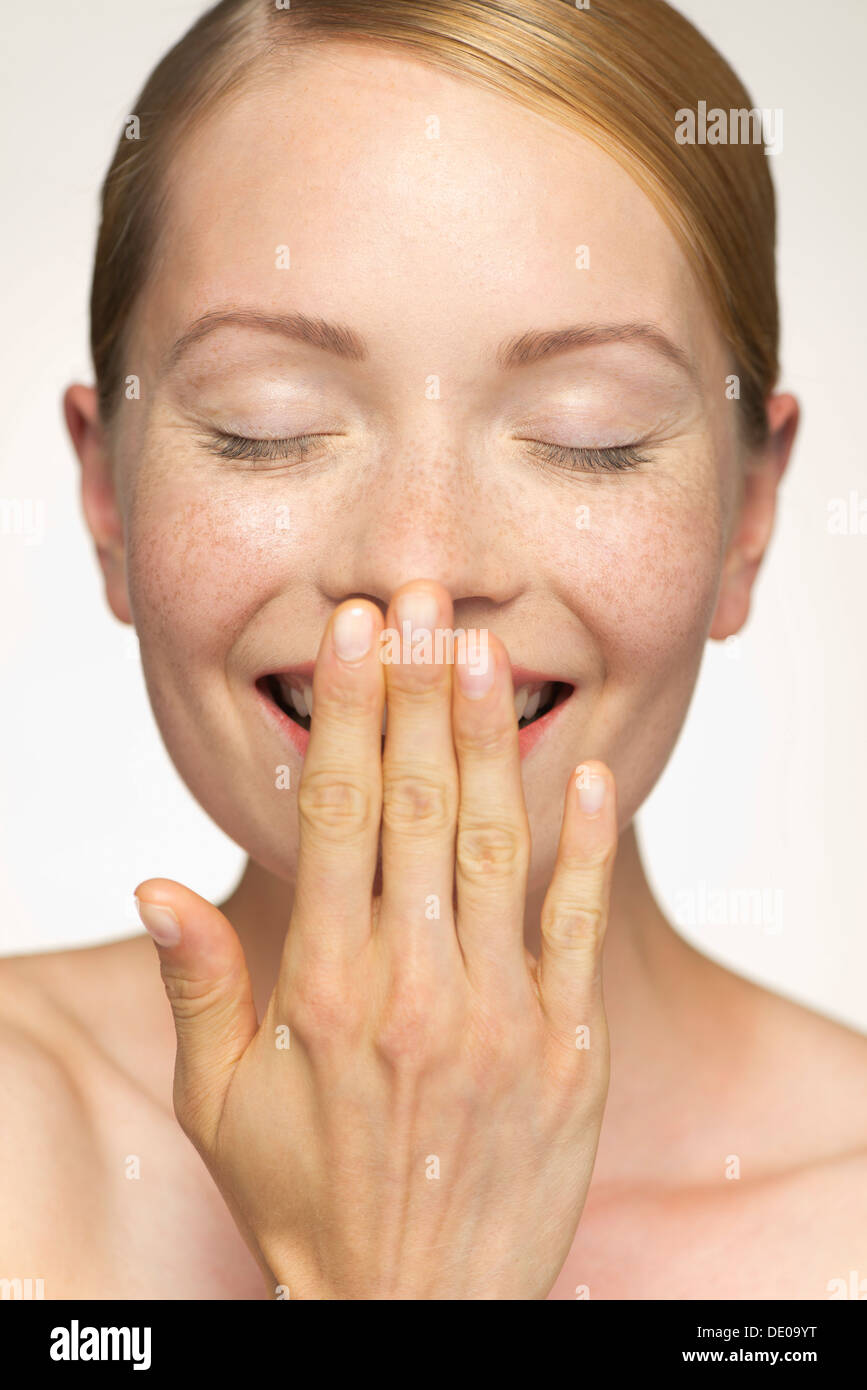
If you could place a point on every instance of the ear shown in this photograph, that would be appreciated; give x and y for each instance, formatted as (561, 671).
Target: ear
(754, 523)
(98, 494)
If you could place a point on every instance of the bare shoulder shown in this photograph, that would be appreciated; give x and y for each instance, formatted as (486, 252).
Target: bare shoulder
(755, 1179)
(47, 1138)
(812, 1077)
(72, 1024)
(96, 1178)
(803, 1169)
(93, 1008)
(39, 1040)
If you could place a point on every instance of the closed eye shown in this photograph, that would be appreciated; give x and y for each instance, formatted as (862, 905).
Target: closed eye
(236, 446)
(240, 447)
(615, 460)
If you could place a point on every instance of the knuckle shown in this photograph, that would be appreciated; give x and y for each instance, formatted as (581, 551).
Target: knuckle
(416, 804)
(414, 688)
(320, 1007)
(490, 849)
(189, 997)
(410, 1028)
(333, 805)
(402, 1038)
(487, 738)
(578, 1087)
(499, 1053)
(572, 927)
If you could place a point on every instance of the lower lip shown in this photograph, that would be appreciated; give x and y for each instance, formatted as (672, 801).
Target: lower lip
(535, 732)
(528, 738)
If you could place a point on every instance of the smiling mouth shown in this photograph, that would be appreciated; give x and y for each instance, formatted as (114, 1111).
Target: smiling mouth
(294, 698)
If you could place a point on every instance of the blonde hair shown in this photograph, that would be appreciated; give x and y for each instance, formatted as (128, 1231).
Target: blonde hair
(618, 72)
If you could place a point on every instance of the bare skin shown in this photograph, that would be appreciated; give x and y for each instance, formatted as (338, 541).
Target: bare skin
(704, 1066)
(86, 1091)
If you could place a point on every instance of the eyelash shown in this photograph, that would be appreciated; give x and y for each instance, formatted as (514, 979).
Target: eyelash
(236, 446)
(615, 460)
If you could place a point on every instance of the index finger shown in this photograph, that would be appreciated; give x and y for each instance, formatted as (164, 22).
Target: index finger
(340, 792)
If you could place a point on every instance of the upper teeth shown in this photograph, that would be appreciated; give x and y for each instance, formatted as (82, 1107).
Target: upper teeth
(528, 699)
(300, 700)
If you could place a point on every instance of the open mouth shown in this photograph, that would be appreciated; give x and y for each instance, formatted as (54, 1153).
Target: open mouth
(533, 702)
(294, 698)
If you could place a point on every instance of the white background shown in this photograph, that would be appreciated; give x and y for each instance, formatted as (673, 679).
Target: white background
(765, 791)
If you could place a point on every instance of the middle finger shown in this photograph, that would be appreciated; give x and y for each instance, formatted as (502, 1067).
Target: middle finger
(419, 779)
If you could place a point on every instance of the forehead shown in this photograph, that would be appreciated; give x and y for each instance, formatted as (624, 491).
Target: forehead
(411, 203)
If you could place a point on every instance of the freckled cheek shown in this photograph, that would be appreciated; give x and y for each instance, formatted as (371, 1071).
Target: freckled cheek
(200, 568)
(644, 583)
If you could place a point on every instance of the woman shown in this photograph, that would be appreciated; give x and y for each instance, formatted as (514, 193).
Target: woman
(421, 320)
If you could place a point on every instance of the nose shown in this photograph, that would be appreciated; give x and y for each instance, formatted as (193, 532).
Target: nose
(428, 512)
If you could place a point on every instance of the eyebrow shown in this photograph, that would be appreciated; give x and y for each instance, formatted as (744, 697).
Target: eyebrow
(331, 337)
(535, 345)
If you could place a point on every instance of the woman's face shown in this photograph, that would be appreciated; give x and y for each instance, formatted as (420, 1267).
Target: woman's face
(439, 226)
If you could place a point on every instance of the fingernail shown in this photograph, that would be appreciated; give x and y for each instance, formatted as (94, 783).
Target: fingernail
(476, 677)
(418, 608)
(160, 921)
(591, 791)
(353, 633)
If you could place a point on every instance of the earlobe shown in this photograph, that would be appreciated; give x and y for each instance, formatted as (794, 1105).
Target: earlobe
(98, 493)
(753, 528)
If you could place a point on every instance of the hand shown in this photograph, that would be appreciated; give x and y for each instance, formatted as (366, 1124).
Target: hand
(431, 1128)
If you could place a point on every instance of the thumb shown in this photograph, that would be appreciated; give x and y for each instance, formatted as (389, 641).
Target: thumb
(208, 986)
